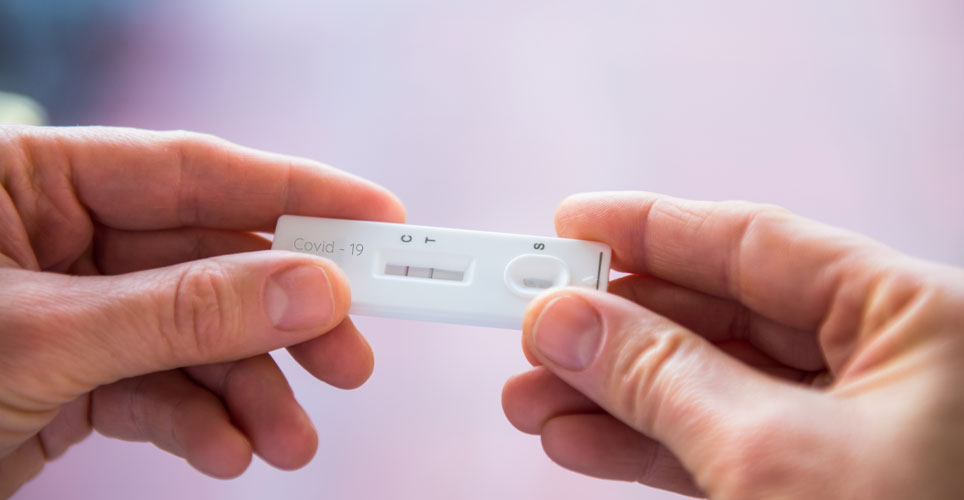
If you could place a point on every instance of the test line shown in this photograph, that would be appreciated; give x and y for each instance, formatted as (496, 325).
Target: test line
(599, 270)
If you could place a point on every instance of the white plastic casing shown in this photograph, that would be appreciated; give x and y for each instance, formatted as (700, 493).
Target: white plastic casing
(439, 274)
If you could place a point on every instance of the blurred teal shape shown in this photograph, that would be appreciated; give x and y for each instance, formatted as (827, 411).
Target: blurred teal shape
(58, 52)
(22, 110)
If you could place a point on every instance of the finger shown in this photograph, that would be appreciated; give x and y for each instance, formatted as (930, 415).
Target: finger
(754, 358)
(341, 357)
(119, 252)
(600, 446)
(176, 415)
(263, 407)
(719, 319)
(96, 330)
(137, 179)
(70, 426)
(782, 266)
(531, 398)
(661, 379)
(20, 465)
(15, 247)
(531, 358)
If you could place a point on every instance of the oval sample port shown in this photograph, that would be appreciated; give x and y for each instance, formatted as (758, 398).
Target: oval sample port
(529, 275)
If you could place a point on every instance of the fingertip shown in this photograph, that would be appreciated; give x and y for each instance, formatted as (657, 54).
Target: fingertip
(575, 199)
(379, 203)
(576, 207)
(599, 215)
(555, 443)
(535, 308)
(531, 316)
(220, 451)
(304, 295)
(296, 446)
(354, 375)
(342, 357)
(340, 290)
(563, 328)
(513, 404)
(565, 210)
(365, 369)
(532, 397)
(394, 209)
(529, 355)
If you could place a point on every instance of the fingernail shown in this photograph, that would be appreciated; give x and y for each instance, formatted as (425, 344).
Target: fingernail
(568, 332)
(298, 298)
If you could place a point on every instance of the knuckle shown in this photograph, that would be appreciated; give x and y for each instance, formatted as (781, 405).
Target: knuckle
(756, 220)
(643, 372)
(190, 152)
(203, 309)
(753, 209)
(185, 140)
(185, 136)
(756, 216)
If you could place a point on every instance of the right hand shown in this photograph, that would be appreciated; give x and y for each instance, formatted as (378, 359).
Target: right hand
(750, 353)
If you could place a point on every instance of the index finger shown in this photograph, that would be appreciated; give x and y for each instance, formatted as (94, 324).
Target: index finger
(783, 266)
(141, 180)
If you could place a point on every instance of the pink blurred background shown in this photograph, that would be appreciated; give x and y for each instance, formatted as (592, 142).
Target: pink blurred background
(484, 115)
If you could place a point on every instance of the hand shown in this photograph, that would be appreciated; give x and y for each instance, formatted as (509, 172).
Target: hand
(163, 337)
(750, 354)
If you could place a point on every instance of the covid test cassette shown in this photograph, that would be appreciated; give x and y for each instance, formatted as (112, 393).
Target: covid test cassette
(442, 274)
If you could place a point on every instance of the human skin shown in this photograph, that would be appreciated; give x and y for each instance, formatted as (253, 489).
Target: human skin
(750, 353)
(122, 310)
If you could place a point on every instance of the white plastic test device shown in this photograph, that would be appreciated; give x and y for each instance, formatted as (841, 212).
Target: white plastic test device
(440, 274)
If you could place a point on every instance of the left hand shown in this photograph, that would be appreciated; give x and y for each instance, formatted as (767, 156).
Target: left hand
(161, 337)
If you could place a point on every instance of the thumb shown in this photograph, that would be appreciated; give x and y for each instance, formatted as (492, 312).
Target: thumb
(713, 412)
(74, 333)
